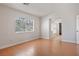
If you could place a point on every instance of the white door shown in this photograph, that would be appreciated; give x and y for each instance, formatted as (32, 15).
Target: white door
(77, 29)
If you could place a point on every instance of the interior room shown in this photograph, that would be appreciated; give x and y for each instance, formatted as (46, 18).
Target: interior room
(39, 29)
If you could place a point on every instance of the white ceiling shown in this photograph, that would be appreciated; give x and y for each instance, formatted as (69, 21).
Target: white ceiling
(39, 9)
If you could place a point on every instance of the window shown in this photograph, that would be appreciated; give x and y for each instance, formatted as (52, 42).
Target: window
(24, 24)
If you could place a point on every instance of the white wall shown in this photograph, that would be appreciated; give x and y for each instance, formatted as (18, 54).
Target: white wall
(8, 37)
(45, 28)
(67, 13)
(69, 23)
(69, 28)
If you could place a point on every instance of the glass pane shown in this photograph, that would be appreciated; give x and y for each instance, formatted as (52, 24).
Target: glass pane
(29, 25)
(20, 25)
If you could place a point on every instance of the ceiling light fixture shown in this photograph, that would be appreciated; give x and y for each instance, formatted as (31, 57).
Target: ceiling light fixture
(26, 3)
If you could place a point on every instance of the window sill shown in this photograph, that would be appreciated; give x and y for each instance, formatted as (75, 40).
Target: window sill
(20, 32)
(25, 32)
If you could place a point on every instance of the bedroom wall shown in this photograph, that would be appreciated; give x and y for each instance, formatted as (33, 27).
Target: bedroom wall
(68, 15)
(8, 36)
(45, 28)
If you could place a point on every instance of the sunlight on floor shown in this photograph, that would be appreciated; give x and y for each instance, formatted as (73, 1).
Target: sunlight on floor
(29, 52)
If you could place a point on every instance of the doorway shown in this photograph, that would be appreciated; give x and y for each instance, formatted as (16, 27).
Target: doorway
(55, 29)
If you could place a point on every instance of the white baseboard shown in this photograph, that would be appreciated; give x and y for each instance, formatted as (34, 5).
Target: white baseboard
(6, 46)
(69, 41)
(44, 37)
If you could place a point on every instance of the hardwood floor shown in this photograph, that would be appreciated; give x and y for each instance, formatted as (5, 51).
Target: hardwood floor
(41, 47)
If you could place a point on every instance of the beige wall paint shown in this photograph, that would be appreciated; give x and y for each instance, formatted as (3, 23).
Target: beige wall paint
(8, 36)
